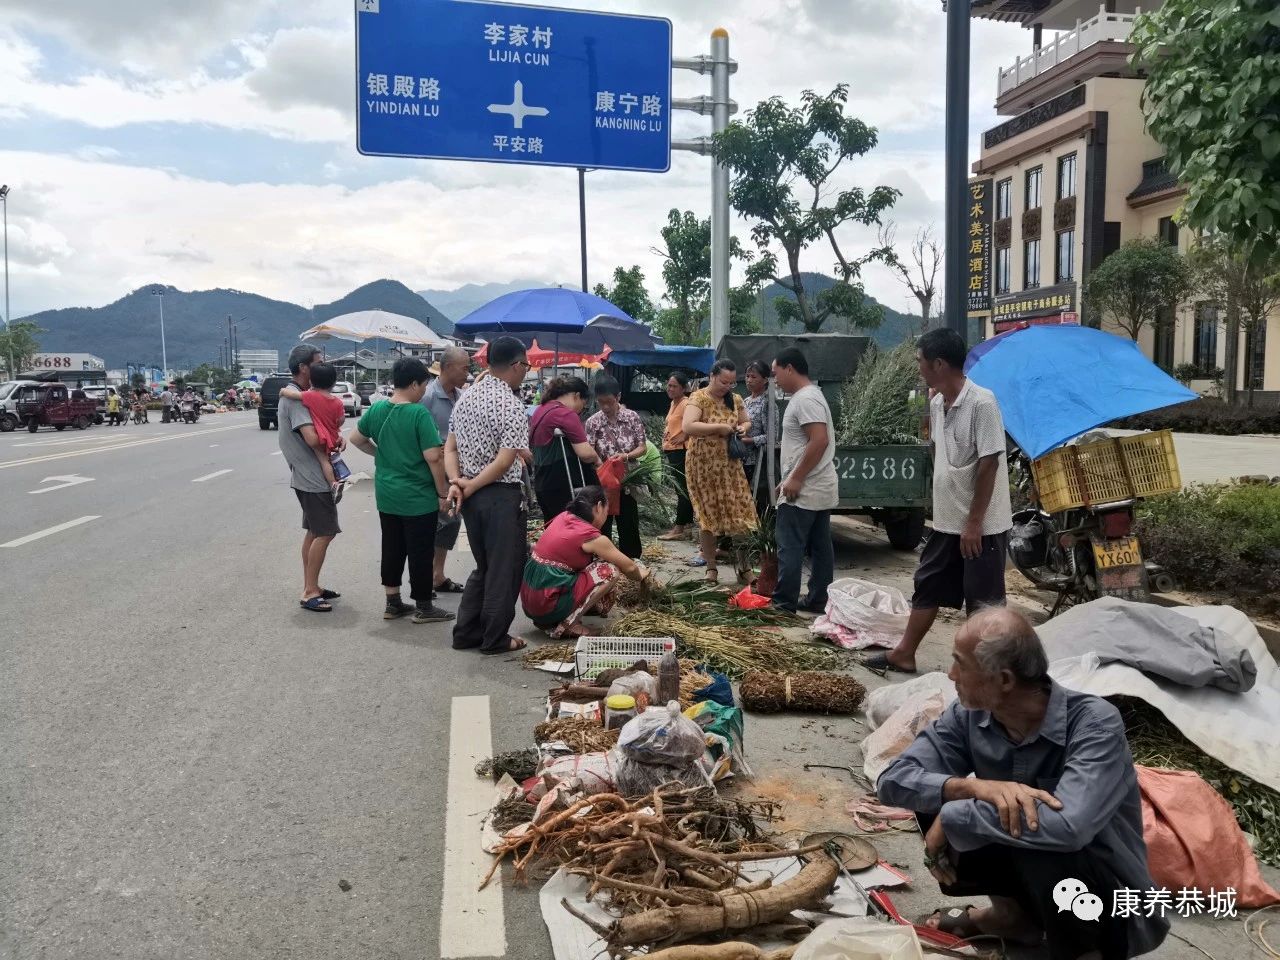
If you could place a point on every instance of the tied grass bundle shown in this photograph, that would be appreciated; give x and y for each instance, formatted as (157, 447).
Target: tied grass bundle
(767, 692)
(875, 405)
(1155, 742)
(733, 651)
(550, 653)
(521, 764)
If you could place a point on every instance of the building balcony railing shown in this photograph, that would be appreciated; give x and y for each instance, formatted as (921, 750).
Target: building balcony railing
(1115, 27)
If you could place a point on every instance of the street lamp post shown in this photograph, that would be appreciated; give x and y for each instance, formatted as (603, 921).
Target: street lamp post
(164, 352)
(4, 203)
(957, 161)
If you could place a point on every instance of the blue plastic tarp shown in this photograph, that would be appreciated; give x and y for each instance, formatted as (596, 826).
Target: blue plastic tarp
(666, 355)
(1055, 382)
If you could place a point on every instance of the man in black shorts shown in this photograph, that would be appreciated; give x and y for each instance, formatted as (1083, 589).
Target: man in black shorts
(298, 442)
(963, 562)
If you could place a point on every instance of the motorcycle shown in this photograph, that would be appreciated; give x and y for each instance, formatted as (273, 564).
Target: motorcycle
(190, 411)
(1082, 553)
(139, 412)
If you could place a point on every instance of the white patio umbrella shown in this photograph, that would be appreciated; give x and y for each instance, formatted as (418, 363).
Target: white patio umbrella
(376, 325)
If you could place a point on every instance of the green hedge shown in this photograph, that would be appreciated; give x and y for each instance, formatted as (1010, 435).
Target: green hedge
(1219, 538)
(1205, 415)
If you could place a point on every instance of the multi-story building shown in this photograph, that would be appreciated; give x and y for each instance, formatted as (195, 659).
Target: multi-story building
(1073, 174)
(260, 363)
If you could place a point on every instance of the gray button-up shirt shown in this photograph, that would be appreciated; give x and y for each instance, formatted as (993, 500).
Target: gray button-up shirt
(440, 403)
(1079, 754)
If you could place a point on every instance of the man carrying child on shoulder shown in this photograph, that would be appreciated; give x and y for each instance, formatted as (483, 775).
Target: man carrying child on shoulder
(326, 417)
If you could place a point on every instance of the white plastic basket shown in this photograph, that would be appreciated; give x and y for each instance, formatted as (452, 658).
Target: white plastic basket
(593, 655)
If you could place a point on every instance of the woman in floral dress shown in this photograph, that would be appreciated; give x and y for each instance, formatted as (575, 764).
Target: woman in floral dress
(717, 485)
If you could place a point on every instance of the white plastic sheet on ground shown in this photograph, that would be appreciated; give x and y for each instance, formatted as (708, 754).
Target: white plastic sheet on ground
(860, 938)
(1237, 728)
(862, 614)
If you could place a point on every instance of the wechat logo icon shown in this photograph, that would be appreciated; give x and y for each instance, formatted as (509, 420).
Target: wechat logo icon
(1072, 895)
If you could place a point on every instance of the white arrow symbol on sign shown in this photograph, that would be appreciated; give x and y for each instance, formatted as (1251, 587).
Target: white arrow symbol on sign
(70, 481)
(517, 109)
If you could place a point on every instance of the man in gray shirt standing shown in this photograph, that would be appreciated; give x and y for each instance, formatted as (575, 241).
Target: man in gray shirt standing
(298, 443)
(450, 375)
(1049, 825)
(962, 565)
(808, 492)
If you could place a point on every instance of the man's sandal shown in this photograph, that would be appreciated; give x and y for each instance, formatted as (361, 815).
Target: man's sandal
(881, 664)
(316, 605)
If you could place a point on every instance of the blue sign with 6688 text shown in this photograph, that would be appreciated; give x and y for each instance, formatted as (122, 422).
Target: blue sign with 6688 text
(453, 79)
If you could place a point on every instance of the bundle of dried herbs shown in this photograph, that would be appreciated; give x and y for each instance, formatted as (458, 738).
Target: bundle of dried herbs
(731, 650)
(521, 764)
(767, 692)
(578, 733)
(549, 653)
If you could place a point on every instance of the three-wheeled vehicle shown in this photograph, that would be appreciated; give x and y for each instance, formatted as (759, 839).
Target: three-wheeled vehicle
(54, 405)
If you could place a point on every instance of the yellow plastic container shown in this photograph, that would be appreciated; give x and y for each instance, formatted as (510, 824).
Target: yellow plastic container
(618, 709)
(1107, 471)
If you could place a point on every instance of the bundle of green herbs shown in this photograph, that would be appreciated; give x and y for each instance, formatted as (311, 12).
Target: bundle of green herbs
(876, 405)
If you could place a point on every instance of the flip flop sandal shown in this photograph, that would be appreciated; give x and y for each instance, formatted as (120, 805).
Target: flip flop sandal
(449, 586)
(316, 605)
(952, 920)
(880, 663)
(330, 594)
(698, 561)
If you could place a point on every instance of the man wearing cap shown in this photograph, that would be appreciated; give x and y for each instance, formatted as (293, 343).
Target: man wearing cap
(450, 373)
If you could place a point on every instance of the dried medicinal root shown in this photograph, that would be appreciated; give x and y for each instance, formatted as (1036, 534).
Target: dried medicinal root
(768, 692)
(721, 951)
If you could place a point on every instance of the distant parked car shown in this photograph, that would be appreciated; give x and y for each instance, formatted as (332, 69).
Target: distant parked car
(99, 393)
(367, 389)
(351, 401)
(8, 403)
(270, 397)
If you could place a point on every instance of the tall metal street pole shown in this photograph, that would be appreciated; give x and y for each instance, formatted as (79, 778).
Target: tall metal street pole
(957, 162)
(164, 352)
(719, 189)
(582, 222)
(4, 203)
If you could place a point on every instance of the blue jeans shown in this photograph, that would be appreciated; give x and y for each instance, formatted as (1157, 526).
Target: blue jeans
(803, 534)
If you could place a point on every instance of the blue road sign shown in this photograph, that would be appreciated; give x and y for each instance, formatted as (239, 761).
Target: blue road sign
(458, 80)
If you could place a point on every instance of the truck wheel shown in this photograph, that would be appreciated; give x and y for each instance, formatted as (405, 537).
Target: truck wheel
(905, 532)
(32, 427)
(7, 423)
(99, 419)
(80, 423)
(59, 426)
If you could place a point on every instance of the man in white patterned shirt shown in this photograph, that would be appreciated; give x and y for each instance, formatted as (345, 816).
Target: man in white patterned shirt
(963, 562)
(483, 458)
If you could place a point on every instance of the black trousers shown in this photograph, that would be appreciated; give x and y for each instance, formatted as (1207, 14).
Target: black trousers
(552, 490)
(1028, 877)
(684, 508)
(412, 539)
(497, 532)
(628, 527)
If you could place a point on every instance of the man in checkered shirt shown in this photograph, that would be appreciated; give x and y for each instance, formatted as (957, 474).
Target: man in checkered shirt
(963, 562)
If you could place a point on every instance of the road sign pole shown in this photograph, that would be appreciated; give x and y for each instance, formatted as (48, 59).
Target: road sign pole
(582, 222)
(719, 190)
(957, 161)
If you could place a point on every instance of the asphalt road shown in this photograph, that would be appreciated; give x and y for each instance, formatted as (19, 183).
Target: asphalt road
(191, 763)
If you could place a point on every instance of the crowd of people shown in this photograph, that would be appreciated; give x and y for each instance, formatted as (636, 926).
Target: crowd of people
(447, 456)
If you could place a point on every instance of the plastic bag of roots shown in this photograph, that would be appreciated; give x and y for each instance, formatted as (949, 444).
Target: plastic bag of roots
(662, 735)
(636, 778)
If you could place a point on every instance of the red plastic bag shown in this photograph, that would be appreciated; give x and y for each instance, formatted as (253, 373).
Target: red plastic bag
(610, 474)
(744, 599)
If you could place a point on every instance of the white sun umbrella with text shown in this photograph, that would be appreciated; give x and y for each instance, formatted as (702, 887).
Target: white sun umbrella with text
(376, 325)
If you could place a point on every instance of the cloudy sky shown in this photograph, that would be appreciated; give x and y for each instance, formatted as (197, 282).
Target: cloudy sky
(210, 143)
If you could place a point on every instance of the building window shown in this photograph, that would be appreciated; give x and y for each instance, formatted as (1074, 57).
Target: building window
(1065, 258)
(1255, 352)
(1204, 348)
(1066, 176)
(1033, 188)
(1004, 199)
(1168, 231)
(1004, 267)
(1164, 333)
(1031, 265)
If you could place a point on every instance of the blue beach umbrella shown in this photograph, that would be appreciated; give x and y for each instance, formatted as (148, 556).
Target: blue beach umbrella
(1055, 382)
(559, 319)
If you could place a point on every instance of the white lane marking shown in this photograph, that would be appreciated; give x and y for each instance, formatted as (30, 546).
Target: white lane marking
(67, 481)
(61, 441)
(281, 453)
(218, 473)
(212, 445)
(472, 923)
(121, 446)
(50, 532)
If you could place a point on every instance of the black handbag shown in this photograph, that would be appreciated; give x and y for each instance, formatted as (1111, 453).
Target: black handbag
(737, 449)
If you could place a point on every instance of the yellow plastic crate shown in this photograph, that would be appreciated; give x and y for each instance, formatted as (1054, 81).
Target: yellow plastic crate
(1105, 471)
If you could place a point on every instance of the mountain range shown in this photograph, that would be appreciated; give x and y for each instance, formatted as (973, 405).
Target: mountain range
(128, 331)
(893, 329)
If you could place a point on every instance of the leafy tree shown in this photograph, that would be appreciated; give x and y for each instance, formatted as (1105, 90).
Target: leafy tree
(628, 293)
(219, 378)
(1135, 286)
(743, 317)
(1212, 99)
(686, 274)
(783, 161)
(138, 381)
(21, 338)
(1249, 289)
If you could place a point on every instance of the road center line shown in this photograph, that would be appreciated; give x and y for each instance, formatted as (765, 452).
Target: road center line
(472, 923)
(210, 476)
(120, 446)
(58, 529)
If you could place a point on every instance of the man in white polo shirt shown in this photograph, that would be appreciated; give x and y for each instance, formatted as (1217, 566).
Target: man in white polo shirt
(963, 562)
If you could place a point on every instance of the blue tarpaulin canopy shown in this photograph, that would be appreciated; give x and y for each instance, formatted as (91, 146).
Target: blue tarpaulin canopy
(1055, 382)
(558, 319)
(664, 355)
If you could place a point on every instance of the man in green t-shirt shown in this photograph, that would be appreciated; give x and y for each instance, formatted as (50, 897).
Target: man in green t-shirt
(401, 435)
